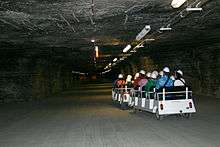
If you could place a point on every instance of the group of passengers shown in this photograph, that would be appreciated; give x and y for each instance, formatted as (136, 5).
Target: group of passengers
(145, 81)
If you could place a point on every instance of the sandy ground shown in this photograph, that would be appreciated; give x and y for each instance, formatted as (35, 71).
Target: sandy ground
(86, 117)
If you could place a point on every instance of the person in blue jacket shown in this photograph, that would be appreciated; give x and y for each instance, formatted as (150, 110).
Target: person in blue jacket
(165, 80)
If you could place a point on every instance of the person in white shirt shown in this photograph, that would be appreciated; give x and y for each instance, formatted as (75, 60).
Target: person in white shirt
(179, 80)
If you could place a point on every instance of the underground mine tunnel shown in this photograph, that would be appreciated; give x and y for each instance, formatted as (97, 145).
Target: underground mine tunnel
(59, 59)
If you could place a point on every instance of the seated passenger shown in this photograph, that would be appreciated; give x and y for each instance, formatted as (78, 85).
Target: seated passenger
(179, 81)
(143, 80)
(151, 83)
(136, 80)
(129, 83)
(136, 75)
(148, 75)
(120, 82)
(165, 80)
(160, 74)
(156, 73)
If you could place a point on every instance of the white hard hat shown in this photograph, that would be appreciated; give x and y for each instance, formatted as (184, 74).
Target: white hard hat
(142, 72)
(153, 75)
(161, 73)
(120, 76)
(136, 75)
(129, 78)
(155, 72)
(166, 69)
(180, 72)
(172, 78)
(148, 74)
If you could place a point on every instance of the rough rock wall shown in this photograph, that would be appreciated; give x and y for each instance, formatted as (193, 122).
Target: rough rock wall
(24, 78)
(201, 66)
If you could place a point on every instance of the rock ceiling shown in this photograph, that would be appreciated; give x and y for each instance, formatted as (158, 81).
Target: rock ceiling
(68, 25)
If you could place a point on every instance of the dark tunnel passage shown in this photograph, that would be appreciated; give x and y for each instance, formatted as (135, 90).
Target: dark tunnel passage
(58, 61)
(49, 60)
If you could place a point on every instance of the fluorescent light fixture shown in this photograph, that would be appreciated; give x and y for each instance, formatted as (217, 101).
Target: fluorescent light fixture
(115, 60)
(139, 46)
(75, 72)
(128, 47)
(92, 40)
(106, 71)
(121, 59)
(82, 73)
(193, 9)
(150, 39)
(177, 3)
(133, 51)
(143, 32)
(165, 29)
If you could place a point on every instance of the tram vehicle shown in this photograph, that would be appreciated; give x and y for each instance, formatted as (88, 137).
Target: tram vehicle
(122, 96)
(165, 101)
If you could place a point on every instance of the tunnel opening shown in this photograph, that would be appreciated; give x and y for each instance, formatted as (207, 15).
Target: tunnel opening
(46, 47)
(60, 60)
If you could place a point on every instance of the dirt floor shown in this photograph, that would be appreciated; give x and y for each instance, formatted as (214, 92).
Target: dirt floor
(86, 117)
